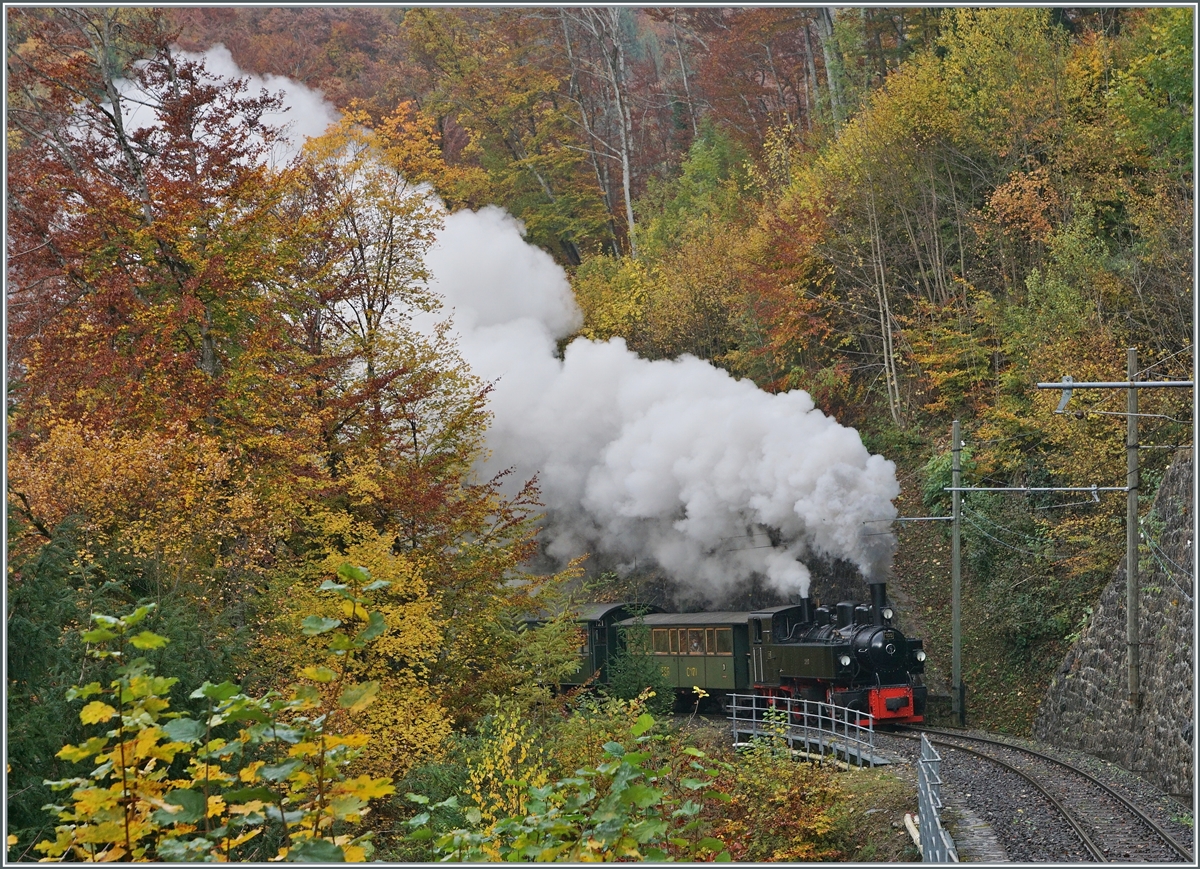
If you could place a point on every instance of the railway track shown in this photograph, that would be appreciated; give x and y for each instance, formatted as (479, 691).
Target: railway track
(1109, 825)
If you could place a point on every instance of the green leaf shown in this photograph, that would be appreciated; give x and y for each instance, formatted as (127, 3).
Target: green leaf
(708, 843)
(614, 749)
(358, 697)
(245, 712)
(693, 784)
(84, 692)
(148, 640)
(377, 584)
(642, 796)
(216, 693)
(284, 733)
(694, 752)
(330, 585)
(182, 851)
(418, 820)
(357, 575)
(723, 857)
(314, 625)
(645, 722)
(98, 635)
(315, 851)
(280, 771)
(420, 834)
(191, 807)
(184, 730)
(138, 615)
(289, 818)
(375, 627)
(245, 795)
(308, 694)
(416, 798)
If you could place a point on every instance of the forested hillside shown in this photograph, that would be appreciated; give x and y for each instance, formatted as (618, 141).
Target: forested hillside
(218, 403)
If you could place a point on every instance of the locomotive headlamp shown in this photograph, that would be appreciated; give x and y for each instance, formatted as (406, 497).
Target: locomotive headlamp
(920, 655)
(887, 613)
(844, 660)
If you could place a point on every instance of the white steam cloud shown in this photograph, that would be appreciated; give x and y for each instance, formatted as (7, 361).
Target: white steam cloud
(667, 463)
(306, 113)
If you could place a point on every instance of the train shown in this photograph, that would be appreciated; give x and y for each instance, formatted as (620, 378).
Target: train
(851, 654)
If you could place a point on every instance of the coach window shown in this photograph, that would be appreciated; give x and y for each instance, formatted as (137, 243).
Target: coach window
(661, 643)
(757, 630)
(696, 641)
(710, 641)
(674, 635)
(724, 641)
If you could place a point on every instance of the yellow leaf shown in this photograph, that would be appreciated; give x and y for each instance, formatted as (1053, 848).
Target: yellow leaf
(354, 853)
(90, 802)
(102, 833)
(245, 837)
(353, 740)
(95, 712)
(368, 788)
(318, 674)
(216, 805)
(247, 808)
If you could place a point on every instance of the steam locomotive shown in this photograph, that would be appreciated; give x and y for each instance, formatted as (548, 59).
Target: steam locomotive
(850, 654)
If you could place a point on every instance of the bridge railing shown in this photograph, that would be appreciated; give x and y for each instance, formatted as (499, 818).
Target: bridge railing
(808, 725)
(936, 844)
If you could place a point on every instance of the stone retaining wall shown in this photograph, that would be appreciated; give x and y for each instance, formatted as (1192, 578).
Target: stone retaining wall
(1086, 705)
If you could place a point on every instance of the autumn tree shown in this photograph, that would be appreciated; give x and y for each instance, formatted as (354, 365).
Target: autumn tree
(491, 75)
(215, 370)
(143, 287)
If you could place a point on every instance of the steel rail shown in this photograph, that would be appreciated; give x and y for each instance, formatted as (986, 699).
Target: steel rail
(1095, 850)
(1121, 798)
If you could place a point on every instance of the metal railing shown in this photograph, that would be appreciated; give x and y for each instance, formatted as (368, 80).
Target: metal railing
(936, 844)
(805, 725)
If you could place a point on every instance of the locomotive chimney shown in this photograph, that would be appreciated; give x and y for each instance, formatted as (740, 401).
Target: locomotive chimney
(807, 610)
(878, 602)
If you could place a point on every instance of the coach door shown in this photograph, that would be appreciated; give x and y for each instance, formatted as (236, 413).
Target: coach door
(757, 665)
(600, 648)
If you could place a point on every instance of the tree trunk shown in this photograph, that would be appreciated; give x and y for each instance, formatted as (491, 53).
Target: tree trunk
(833, 62)
(885, 311)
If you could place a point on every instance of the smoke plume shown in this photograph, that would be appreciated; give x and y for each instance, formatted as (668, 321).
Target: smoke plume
(673, 464)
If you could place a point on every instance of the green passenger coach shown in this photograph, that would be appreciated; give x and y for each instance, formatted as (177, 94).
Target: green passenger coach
(600, 640)
(705, 650)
